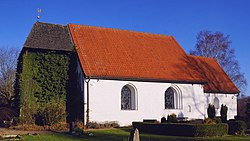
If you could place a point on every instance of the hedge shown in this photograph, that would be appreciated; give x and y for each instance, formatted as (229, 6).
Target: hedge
(238, 127)
(180, 129)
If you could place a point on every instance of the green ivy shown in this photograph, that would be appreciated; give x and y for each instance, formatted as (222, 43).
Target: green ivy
(42, 82)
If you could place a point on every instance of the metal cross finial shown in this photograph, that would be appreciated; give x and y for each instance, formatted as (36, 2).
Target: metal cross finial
(39, 13)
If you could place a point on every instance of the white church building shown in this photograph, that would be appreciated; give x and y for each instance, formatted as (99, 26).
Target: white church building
(128, 76)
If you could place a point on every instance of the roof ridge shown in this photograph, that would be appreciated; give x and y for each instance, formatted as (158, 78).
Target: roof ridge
(50, 23)
(109, 53)
(117, 29)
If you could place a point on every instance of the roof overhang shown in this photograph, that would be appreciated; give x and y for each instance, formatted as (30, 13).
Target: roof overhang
(221, 92)
(146, 80)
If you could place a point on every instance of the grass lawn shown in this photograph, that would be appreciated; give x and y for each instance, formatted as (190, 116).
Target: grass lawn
(122, 134)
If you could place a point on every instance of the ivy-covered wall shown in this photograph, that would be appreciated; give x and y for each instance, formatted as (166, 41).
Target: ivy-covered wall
(43, 86)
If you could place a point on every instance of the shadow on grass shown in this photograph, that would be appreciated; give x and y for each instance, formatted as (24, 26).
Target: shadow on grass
(153, 137)
(122, 134)
(125, 129)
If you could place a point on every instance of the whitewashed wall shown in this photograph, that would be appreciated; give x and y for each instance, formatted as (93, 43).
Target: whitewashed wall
(230, 100)
(105, 101)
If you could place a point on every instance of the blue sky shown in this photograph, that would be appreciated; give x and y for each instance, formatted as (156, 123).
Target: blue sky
(182, 19)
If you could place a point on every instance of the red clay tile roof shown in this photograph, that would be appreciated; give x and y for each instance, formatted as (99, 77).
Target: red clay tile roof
(218, 80)
(113, 53)
(116, 53)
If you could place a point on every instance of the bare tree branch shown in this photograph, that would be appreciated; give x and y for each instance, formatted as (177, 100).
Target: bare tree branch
(8, 60)
(217, 45)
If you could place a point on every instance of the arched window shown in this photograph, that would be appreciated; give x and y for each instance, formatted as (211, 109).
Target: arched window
(128, 98)
(169, 99)
(216, 103)
(173, 98)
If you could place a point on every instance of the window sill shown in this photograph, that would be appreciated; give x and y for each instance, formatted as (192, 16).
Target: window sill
(130, 110)
(174, 109)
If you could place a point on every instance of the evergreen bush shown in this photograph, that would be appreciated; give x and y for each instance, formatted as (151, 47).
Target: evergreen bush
(211, 111)
(163, 120)
(223, 113)
(238, 127)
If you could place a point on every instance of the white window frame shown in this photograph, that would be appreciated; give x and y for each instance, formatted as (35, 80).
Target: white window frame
(177, 97)
(133, 97)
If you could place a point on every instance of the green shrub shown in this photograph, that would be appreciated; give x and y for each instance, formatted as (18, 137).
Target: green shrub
(237, 127)
(172, 118)
(223, 113)
(182, 129)
(78, 131)
(211, 111)
(53, 112)
(210, 130)
(208, 121)
(107, 124)
(217, 119)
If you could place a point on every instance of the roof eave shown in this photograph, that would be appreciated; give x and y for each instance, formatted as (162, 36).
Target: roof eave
(222, 91)
(147, 80)
(48, 49)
